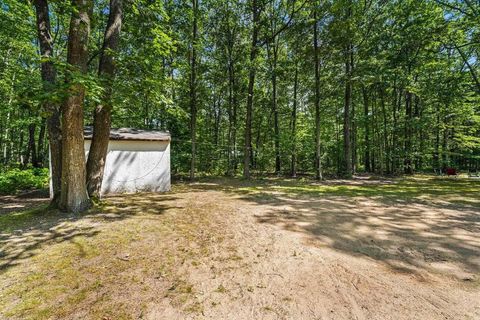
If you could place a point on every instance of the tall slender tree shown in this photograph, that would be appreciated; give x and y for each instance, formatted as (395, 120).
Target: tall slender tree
(193, 86)
(52, 109)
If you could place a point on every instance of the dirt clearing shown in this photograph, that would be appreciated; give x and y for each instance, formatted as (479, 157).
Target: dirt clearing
(275, 249)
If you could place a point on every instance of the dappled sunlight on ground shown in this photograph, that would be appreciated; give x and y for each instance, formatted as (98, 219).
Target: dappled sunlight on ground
(272, 248)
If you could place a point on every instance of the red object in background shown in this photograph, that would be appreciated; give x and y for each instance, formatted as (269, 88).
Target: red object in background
(451, 172)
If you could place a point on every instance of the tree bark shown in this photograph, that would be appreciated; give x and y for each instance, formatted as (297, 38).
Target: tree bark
(275, 111)
(102, 115)
(40, 143)
(74, 197)
(367, 131)
(193, 88)
(318, 156)
(294, 125)
(251, 84)
(49, 75)
(347, 146)
(407, 162)
(32, 147)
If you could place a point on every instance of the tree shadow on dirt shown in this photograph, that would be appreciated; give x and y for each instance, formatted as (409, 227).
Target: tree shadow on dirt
(429, 225)
(23, 234)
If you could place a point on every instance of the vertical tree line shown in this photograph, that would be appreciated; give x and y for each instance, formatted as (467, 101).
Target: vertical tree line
(304, 87)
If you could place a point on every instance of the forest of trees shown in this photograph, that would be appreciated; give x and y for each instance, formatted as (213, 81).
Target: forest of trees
(315, 87)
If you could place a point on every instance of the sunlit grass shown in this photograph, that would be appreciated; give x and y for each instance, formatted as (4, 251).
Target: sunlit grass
(114, 253)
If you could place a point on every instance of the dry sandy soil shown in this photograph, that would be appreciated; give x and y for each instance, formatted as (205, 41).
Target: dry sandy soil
(224, 250)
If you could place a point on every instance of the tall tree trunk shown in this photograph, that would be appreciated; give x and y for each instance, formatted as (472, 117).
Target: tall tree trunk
(347, 146)
(230, 123)
(32, 148)
(193, 89)
(74, 197)
(436, 156)
(49, 75)
(385, 133)
(367, 130)
(407, 162)
(251, 85)
(318, 156)
(294, 125)
(275, 108)
(102, 117)
(232, 118)
(40, 143)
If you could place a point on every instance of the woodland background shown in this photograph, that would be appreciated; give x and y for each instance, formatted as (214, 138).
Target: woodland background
(330, 87)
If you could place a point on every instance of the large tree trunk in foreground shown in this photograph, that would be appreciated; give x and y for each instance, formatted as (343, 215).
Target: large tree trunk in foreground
(102, 117)
(49, 77)
(74, 197)
(318, 156)
(251, 84)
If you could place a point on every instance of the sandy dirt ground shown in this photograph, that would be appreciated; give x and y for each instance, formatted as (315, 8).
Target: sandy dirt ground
(337, 258)
(291, 256)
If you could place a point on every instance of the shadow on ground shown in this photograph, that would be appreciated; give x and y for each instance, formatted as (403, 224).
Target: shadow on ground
(408, 224)
(23, 233)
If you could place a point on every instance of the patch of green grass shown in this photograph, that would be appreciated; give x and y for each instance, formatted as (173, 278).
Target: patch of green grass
(449, 189)
(23, 219)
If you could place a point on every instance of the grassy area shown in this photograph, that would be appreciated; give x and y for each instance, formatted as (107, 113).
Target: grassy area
(460, 191)
(103, 262)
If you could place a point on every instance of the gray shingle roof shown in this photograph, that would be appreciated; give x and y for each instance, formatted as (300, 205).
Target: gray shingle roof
(131, 134)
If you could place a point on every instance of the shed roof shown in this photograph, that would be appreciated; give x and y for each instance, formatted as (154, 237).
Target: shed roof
(131, 134)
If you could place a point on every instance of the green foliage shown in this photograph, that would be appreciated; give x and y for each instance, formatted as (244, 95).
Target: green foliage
(423, 49)
(15, 180)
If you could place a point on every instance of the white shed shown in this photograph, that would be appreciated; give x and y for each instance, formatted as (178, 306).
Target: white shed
(137, 160)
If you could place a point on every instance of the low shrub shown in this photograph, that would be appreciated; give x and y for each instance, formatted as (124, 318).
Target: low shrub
(15, 180)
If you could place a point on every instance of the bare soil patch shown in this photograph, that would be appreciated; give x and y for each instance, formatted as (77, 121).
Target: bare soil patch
(226, 249)
(23, 201)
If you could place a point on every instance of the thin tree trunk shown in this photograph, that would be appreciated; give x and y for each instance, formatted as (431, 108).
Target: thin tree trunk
(318, 156)
(49, 75)
(368, 168)
(193, 89)
(32, 148)
(275, 108)
(102, 116)
(347, 146)
(40, 143)
(230, 123)
(251, 84)
(74, 197)
(294, 125)
(436, 155)
(407, 162)
(385, 133)
(232, 116)
(234, 120)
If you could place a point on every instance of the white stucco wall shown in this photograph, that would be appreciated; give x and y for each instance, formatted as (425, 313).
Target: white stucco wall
(134, 166)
